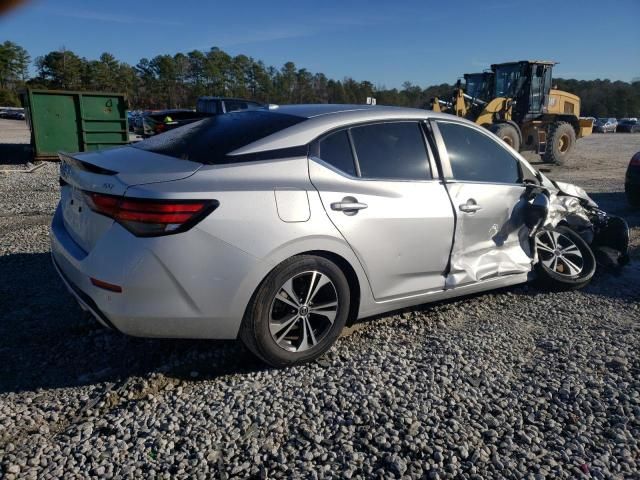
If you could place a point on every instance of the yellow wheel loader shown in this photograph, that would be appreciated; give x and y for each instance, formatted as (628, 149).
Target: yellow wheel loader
(518, 103)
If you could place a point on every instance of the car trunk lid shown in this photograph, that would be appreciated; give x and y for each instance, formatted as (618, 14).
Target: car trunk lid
(109, 172)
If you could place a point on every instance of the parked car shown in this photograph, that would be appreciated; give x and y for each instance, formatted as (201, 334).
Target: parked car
(12, 114)
(632, 181)
(628, 126)
(280, 226)
(218, 105)
(137, 121)
(161, 121)
(131, 120)
(604, 125)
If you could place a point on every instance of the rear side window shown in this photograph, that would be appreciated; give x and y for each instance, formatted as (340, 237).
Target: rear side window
(336, 151)
(391, 151)
(210, 140)
(476, 157)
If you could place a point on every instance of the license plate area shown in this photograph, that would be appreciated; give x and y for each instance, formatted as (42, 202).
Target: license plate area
(75, 210)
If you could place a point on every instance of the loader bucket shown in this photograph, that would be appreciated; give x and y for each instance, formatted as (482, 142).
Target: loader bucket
(586, 127)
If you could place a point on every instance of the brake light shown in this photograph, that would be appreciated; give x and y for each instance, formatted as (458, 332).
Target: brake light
(106, 286)
(635, 160)
(159, 128)
(148, 218)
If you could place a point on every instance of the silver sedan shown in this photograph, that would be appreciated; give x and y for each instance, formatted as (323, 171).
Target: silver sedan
(280, 226)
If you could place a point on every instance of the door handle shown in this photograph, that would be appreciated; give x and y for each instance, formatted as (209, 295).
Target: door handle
(470, 207)
(348, 205)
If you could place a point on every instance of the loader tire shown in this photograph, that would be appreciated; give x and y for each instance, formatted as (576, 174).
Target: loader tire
(561, 138)
(508, 134)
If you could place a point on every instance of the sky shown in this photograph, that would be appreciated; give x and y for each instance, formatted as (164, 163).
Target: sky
(425, 42)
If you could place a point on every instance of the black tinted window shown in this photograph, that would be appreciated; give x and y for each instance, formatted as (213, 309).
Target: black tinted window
(211, 139)
(235, 105)
(391, 150)
(336, 151)
(207, 106)
(476, 157)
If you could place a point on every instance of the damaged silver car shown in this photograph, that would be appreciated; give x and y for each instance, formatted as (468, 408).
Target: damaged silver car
(280, 226)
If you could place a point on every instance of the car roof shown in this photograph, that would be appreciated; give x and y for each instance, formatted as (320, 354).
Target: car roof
(227, 98)
(322, 118)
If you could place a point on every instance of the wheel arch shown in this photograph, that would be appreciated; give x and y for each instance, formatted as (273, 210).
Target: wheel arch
(334, 250)
(352, 279)
(570, 119)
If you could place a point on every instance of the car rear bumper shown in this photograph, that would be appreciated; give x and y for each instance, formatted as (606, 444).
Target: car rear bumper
(167, 290)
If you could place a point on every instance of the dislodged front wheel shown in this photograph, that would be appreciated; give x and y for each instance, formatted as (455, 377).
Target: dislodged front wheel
(565, 260)
(559, 253)
(297, 312)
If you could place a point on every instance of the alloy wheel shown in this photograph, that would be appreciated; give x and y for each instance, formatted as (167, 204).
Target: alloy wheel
(559, 253)
(303, 311)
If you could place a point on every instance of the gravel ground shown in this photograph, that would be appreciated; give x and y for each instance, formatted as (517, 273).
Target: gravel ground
(517, 383)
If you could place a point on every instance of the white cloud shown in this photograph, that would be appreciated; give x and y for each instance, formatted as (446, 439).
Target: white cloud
(106, 17)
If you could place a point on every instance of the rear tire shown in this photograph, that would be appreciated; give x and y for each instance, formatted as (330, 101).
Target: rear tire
(565, 260)
(297, 312)
(561, 138)
(508, 134)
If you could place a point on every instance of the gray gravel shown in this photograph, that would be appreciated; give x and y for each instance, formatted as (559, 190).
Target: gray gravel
(516, 383)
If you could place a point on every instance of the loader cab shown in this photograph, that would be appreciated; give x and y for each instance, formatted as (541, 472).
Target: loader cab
(528, 83)
(479, 85)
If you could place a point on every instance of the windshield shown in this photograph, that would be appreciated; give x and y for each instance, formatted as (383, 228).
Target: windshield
(210, 140)
(507, 77)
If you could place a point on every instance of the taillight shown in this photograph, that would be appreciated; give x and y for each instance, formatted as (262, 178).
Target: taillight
(149, 218)
(159, 127)
(635, 160)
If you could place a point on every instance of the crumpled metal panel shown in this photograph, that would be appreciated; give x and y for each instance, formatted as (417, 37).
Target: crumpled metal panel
(569, 209)
(567, 203)
(493, 262)
(506, 249)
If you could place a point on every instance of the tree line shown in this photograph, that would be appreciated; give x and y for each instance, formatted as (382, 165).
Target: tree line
(176, 81)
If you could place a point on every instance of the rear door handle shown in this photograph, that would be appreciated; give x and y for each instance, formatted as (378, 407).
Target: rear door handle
(470, 207)
(348, 205)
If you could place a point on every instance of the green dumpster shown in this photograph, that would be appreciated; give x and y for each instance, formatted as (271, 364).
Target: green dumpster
(69, 121)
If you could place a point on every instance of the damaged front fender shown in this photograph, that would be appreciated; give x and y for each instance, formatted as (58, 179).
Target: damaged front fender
(607, 235)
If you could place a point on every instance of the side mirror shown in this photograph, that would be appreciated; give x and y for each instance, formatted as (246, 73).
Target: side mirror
(536, 211)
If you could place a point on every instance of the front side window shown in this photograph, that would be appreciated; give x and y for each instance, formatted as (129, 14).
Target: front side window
(476, 157)
(335, 149)
(394, 151)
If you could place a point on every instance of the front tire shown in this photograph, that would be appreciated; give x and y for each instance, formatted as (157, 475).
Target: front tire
(565, 260)
(298, 311)
(508, 134)
(561, 138)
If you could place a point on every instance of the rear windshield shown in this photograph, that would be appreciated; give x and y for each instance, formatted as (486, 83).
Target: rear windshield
(210, 140)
